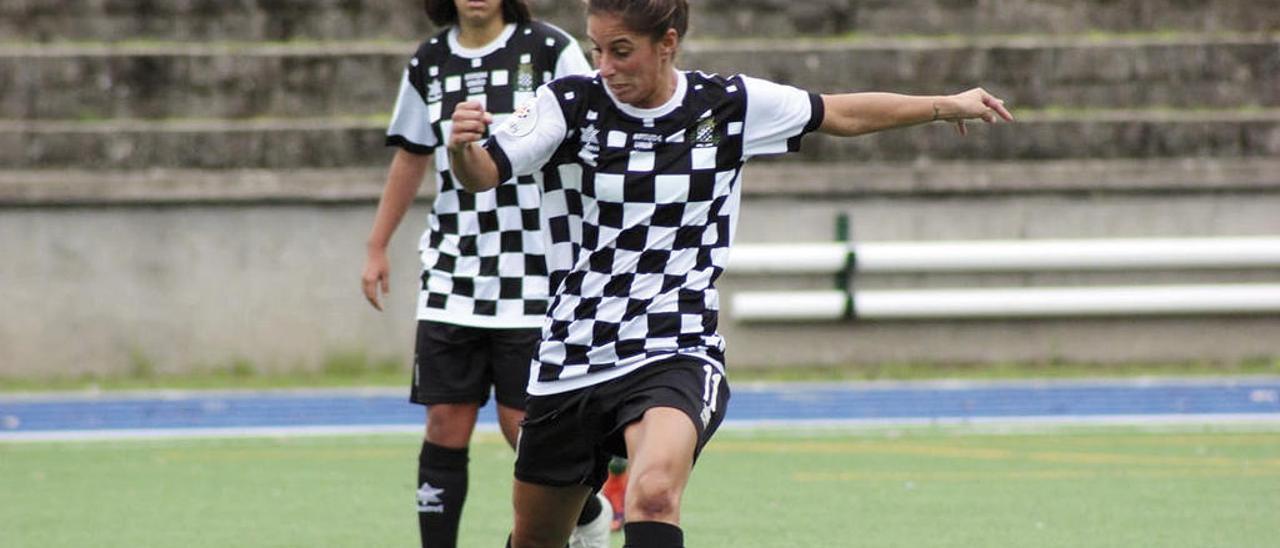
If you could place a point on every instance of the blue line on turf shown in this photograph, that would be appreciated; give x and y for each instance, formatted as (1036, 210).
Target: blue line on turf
(315, 412)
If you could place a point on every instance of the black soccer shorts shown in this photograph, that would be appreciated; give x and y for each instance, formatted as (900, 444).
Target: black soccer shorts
(459, 364)
(569, 438)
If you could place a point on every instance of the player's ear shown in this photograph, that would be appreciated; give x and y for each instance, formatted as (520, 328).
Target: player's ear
(669, 43)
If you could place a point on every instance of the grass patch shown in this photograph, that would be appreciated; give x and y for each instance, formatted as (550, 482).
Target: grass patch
(336, 370)
(924, 488)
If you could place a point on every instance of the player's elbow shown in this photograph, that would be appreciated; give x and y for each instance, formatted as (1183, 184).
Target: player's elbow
(477, 184)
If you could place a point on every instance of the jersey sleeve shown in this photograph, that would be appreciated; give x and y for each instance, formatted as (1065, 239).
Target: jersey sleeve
(777, 117)
(572, 61)
(410, 127)
(528, 138)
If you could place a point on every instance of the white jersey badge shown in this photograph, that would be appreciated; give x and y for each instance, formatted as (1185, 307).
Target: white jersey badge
(522, 121)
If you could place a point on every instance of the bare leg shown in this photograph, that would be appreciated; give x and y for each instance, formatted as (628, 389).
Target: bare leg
(509, 422)
(660, 449)
(545, 516)
(451, 424)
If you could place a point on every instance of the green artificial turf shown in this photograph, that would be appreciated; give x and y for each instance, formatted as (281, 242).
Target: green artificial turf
(915, 487)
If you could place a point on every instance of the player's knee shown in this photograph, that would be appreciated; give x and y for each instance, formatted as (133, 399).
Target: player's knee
(654, 495)
(450, 425)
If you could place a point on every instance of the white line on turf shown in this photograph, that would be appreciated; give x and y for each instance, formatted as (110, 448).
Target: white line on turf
(1010, 425)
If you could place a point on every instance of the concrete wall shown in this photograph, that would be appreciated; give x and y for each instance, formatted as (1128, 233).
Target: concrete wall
(1109, 340)
(238, 20)
(201, 81)
(187, 184)
(99, 289)
(188, 287)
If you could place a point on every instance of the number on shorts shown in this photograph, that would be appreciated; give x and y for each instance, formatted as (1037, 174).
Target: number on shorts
(711, 386)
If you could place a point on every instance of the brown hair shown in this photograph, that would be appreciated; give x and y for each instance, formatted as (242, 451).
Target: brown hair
(651, 17)
(445, 12)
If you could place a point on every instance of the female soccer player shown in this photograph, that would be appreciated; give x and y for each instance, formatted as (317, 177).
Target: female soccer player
(640, 211)
(484, 285)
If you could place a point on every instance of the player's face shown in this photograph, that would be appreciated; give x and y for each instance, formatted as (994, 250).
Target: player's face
(478, 11)
(631, 64)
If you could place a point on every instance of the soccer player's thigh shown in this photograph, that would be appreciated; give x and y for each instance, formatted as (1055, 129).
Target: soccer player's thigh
(449, 378)
(556, 453)
(546, 515)
(510, 353)
(670, 416)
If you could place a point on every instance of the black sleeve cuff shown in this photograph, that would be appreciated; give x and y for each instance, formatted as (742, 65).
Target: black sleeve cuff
(410, 146)
(817, 112)
(499, 158)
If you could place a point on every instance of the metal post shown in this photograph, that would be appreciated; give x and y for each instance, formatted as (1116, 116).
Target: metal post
(844, 278)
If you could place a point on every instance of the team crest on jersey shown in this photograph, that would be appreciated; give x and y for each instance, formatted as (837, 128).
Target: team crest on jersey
(522, 121)
(434, 91)
(704, 134)
(524, 77)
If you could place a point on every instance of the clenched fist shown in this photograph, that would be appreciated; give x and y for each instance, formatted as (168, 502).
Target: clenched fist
(469, 124)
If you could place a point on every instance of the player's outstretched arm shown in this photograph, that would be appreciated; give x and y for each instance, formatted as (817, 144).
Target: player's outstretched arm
(469, 163)
(861, 113)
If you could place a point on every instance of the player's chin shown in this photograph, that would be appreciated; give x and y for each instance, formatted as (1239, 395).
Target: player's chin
(480, 10)
(623, 92)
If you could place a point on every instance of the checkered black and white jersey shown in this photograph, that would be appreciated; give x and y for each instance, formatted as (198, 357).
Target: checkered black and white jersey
(639, 213)
(483, 261)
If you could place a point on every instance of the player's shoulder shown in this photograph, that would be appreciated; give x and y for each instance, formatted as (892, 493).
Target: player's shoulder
(576, 93)
(704, 82)
(575, 85)
(741, 86)
(434, 47)
(716, 88)
(548, 34)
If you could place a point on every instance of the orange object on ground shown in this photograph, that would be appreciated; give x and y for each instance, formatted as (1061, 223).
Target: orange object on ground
(615, 489)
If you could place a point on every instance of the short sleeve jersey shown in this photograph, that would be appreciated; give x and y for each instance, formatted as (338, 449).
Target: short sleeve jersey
(640, 211)
(483, 261)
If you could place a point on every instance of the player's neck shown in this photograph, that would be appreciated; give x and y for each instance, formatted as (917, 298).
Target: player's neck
(665, 90)
(475, 35)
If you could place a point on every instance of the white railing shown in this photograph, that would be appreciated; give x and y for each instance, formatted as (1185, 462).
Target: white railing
(1007, 256)
(1031, 302)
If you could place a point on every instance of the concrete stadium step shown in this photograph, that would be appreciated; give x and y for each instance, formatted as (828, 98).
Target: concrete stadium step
(53, 20)
(352, 142)
(71, 187)
(827, 180)
(762, 180)
(358, 78)
(199, 80)
(1191, 70)
(1065, 134)
(133, 144)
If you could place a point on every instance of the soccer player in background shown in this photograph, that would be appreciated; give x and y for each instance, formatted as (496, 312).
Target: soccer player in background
(640, 211)
(484, 284)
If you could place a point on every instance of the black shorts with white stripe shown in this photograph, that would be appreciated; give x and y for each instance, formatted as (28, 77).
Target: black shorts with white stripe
(570, 437)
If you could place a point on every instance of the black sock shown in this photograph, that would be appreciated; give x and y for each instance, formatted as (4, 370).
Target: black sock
(652, 534)
(591, 510)
(442, 488)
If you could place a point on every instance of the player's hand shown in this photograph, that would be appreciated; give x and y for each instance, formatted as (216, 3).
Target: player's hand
(376, 275)
(970, 105)
(469, 124)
